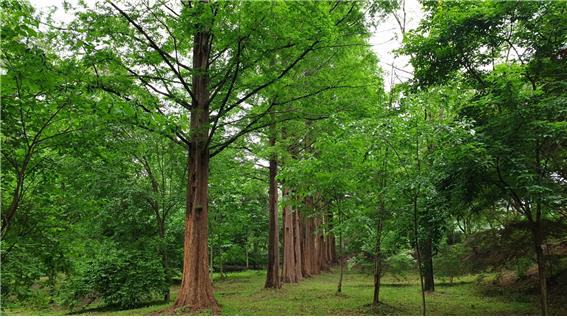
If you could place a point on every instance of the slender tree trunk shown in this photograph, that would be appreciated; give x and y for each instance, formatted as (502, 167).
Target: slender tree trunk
(417, 250)
(246, 250)
(341, 259)
(196, 288)
(538, 236)
(288, 271)
(297, 244)
(308, 250)
(323, 251)
(273, 274)
(315, 265)
(334, 249)
(378, 261)
(429, 283)
(305, 269)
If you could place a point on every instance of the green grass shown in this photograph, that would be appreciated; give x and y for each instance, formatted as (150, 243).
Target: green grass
(243, 294)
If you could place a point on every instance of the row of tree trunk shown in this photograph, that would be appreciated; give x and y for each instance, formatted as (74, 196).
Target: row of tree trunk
(308, 244)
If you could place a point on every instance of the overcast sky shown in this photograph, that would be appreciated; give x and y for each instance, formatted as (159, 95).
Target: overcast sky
(385, 38)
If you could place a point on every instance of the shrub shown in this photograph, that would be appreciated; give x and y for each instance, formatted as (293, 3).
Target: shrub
(118, 277)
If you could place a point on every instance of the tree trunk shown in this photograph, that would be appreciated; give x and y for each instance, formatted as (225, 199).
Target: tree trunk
(417, 250)
(341, 260)
(334, 249)
(313, 239)
(308, 250)
(305, 271)
(297, 244)
(378, 262)
(246, 250)
(288, 273)
(538, 236)
(540, 258)
(429, 283)
(273, 273)
(196, 288)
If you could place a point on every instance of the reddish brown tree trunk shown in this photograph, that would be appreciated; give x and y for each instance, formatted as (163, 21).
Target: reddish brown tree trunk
(309, 250)
(289, 271)
(322, 246)
(196, 288)
(273, 274)
(315, 265)
(297, 244)
(305, 262)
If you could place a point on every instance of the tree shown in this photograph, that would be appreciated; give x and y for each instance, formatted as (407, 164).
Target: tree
(226, 54)
(516, 98)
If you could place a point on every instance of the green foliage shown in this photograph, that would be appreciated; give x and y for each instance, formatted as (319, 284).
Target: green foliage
(119, 277)
(450, 262)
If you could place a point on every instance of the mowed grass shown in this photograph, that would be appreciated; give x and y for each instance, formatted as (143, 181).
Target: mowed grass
(243, 294)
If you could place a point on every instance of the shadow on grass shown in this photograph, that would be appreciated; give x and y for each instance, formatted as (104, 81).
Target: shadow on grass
(110, 308)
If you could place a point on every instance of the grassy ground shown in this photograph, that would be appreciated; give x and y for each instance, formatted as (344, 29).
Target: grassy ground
(243, 294)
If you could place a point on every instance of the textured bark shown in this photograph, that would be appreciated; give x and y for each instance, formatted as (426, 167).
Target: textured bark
(297, 244)
(308, 244)
(315, 261)
(273, 273)
(196, 288)
(305, 263)
(288, 272)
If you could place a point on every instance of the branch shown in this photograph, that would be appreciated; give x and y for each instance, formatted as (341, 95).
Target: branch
(165, 56)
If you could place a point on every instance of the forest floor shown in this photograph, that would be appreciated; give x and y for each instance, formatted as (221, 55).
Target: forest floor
(243, 294)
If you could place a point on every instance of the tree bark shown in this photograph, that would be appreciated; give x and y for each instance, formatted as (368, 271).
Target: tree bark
(341, 259)
(196, 288)
(313, 239)
(297, 244)
(417, 250)
(273, 273)
(378, 262)
(538, 236)
(429, 281)
(288, 271)
(308, 250)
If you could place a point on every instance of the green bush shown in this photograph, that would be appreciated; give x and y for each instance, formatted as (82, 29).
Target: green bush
(20, 270)
(118, 277)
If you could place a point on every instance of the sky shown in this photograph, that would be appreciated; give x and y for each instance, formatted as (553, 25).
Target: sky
(385, 38)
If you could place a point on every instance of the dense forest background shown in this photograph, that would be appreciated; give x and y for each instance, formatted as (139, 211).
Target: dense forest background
(153, 150)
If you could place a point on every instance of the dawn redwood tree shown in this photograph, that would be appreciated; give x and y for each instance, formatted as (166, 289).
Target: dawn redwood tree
(273, 273)
(210, 62)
